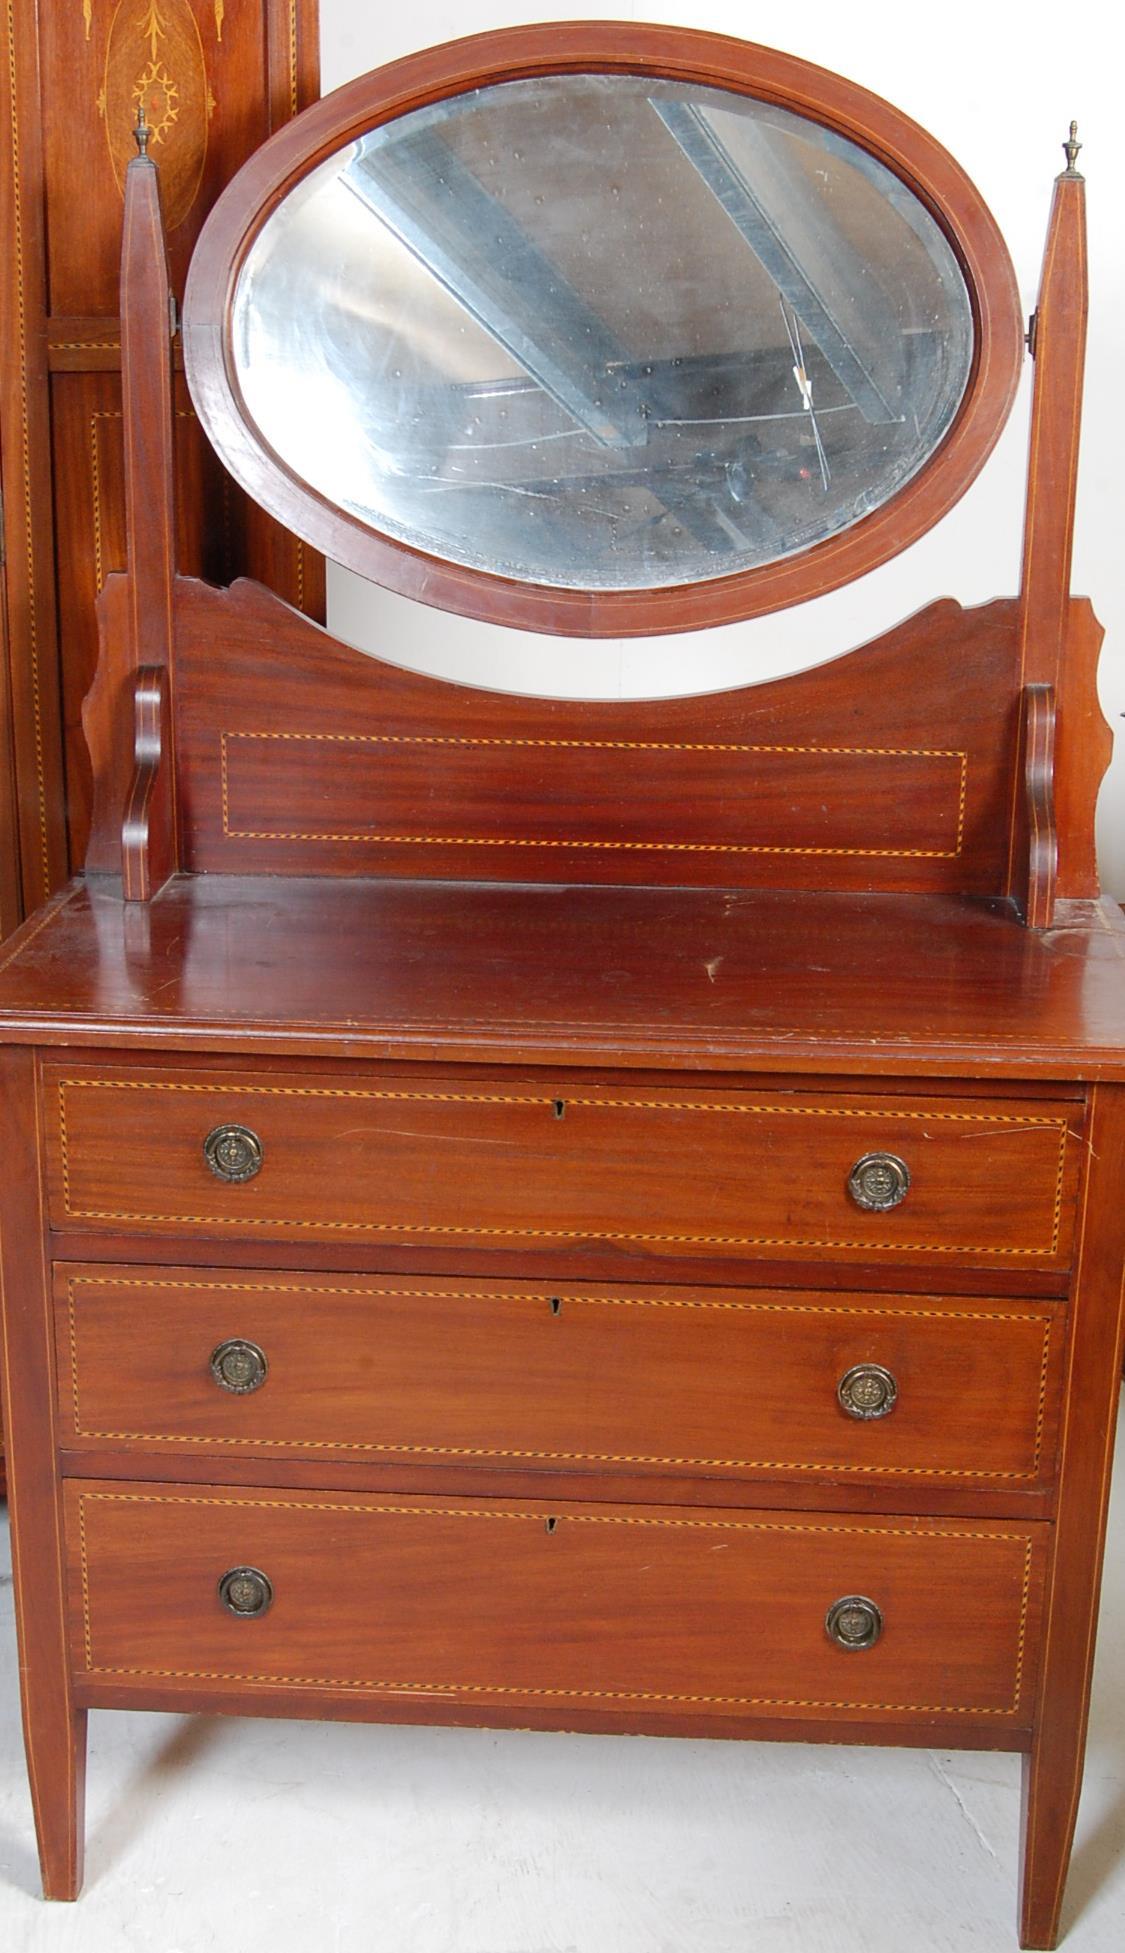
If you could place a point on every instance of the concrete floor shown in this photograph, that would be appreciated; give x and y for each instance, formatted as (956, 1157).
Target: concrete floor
(284, 1836)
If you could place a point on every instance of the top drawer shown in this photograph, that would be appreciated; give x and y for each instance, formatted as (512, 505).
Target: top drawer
(662, 1173)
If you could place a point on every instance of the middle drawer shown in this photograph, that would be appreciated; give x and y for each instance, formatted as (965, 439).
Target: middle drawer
(720, 1382)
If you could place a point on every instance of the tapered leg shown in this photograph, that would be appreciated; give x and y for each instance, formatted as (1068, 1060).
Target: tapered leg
(54, 1729)
(1052, 1776)
(55, 1741)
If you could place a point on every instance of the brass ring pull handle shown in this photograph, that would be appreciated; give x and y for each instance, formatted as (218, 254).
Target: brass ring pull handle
(867, 1390)
(854, 1623)
(245, 1592)
(879, 1181)
(233, 1153)
(239, 1366)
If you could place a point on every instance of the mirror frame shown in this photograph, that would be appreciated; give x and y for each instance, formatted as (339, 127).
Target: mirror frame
(675, 54)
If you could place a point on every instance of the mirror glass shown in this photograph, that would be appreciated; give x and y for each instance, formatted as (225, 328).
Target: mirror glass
(602, 332)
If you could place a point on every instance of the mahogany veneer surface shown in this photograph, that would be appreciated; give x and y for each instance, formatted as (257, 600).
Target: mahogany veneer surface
(658, 1171)
(666, 1613)
(681, 978)
(723, 1383)
(551, 1251)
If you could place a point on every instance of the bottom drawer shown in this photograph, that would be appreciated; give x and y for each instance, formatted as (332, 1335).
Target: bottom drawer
(580, 1609)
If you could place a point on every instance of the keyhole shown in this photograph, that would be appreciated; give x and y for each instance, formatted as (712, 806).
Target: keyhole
(558, 1107)
(556, 1305)
(551, 1524)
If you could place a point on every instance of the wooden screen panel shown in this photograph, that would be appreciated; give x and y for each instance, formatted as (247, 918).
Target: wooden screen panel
(9, 849)
(198, 68)
(355, 767)
(216, 79)
(39, 858)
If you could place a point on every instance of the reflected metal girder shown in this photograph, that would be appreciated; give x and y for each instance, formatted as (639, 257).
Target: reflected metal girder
(443, 214)
(486, 261)
(811, 263)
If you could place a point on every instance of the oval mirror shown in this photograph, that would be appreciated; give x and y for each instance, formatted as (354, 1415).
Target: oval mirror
(605, 338)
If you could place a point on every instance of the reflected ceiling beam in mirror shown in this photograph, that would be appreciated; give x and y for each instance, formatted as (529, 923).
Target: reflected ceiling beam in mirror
(443, 214)
(790, 230)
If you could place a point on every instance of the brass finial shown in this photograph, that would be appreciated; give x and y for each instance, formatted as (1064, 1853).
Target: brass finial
(142, 132)
(1070, 150)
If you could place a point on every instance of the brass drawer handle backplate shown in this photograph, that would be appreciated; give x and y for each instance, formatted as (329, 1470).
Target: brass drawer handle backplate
(854, 1623)
(245, 1592)
(867, 1390)
(233, 1153)
(240, 1367)
(879, 1181)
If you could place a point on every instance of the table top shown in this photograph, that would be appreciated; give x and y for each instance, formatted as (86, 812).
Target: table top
(684, 979)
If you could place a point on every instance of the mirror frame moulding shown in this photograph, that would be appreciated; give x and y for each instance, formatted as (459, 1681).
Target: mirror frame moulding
(674, 54)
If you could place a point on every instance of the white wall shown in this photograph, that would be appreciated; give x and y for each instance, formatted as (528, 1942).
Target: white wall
(997, 84)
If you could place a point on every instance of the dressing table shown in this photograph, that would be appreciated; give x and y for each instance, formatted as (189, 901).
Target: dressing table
(532, 1212)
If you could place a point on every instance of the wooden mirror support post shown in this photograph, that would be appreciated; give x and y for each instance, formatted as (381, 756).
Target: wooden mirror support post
(1057, 634)
(796, 1017)
(128, 713)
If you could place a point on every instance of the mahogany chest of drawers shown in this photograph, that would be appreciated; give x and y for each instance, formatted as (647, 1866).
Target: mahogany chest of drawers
(592, 1395)
(531, 1212)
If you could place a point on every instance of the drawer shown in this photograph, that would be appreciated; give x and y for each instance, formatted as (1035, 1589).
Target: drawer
(657, 1173)
(575, 1377)
(519, 1604)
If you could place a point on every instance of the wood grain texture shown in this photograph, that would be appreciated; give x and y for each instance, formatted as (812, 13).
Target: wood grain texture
(32, 674)
(60, 198)
(497, 1473)
(1053, 626)
(642, 1173)
(107, 726)
(146, 332)
(908, 1498)
(1056, 412)
(89, 469)
(1083, 749)
(608, 47)
(711, 1382)
(10, 899)
(1038, 846)
(148, 828)
(359, 767)
(679, 979)
(54, 1727)
(644, 1613)
(208, 101)
(1053, 1774)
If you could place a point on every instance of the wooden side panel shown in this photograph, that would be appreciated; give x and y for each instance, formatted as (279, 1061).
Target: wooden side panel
(580, 1607)
(54, 1728)
(1052, 1777)
(844, 777)
(711, 1382)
